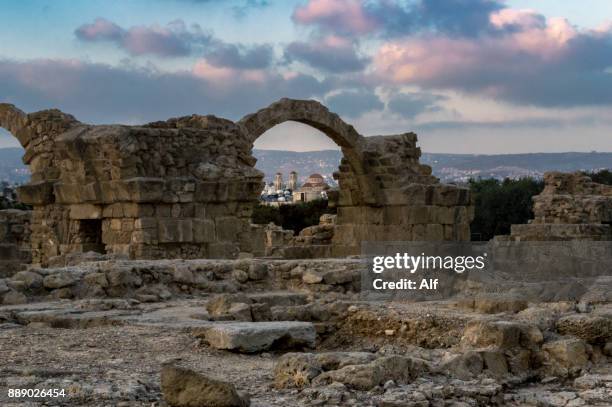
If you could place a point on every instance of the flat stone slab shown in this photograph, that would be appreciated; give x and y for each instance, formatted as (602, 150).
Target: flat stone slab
(251, 337)
(275, 298)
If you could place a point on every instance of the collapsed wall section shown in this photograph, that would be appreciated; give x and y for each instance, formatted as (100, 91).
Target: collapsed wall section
(413, 205)
(571, 207)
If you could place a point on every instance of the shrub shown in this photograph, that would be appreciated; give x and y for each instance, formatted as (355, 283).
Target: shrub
(500, 204)
(294, 217)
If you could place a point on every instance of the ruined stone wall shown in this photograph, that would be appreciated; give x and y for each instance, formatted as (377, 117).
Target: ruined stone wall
(416, 207)
(14, 241)
(181, 188)
(385, 193)
(185, 188)
(571, 207)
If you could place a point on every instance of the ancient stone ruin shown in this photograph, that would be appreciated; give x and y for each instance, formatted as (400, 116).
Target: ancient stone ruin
(14, 241)
(286, 329)
(185, 187)
(571, 207)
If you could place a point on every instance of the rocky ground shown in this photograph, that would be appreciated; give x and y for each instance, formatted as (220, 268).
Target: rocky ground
(307, 344)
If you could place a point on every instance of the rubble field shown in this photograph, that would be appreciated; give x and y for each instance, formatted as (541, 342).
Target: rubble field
(265, 332)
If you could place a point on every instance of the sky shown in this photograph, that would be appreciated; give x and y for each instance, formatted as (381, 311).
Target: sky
(468, 76)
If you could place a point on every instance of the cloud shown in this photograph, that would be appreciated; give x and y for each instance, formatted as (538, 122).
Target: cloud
(342, 16)
(331, 54)
(176, 39)
(100, 93)
(240, 56)
(395, 18)
(353, 103)
(535, 60)
(412, 104)
(100, 30)
(173, 40)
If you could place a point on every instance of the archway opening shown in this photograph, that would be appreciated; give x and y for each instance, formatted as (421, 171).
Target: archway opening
(298, 162)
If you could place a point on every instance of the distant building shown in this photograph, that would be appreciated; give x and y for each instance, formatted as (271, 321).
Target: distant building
(314, 188)
(8, 192)
(293, 181)
(278, 181)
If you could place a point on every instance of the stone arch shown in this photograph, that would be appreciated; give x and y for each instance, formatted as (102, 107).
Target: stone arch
(14, 121)
(318, 116)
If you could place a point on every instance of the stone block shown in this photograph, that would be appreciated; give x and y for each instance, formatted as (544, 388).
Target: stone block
(185, 388)
(36, 193)
(595, 330)
(434, 232)
(250, 337)
(203, 230)
(145, 189)
(175, 230)
(567, 353)
(228, 227)
(85, 211)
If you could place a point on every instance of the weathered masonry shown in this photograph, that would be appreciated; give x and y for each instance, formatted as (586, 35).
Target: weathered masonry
(571, 207)
(185, 187)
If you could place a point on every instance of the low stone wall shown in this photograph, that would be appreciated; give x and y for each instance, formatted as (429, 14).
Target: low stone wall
(150, 281)
(14, 241)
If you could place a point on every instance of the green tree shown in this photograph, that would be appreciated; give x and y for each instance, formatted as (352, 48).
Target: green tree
(500, 204)
(601, 177)
(293, 217)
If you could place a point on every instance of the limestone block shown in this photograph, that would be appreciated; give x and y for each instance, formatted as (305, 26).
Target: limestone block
(568, 353)
(59, 280)
(31, 279)
(592, 329)
(145, 189)
(14, 298)
(175, 230)
(434, 232)
(145, 223)
(203, 230)
(146, 236)
(223, 250)
(228, 227)
(419, 233)
(85, 211)
(484, 333)
(250, 337)
(445, 195)
(206, 192)
(185, 388)
(36, 193)
(400, 369)
(113, 211)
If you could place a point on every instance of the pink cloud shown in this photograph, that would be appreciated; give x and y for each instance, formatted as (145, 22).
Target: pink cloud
(532, 43)
(155, 40)
(100, 30)
(343, 15)
(174, 39)
(222, 76)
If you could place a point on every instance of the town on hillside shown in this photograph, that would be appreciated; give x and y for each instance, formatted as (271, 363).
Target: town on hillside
(280, 193)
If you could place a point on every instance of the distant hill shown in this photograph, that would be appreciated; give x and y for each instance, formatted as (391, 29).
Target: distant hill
(448, 167)
(323, 162)
(461, 167)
